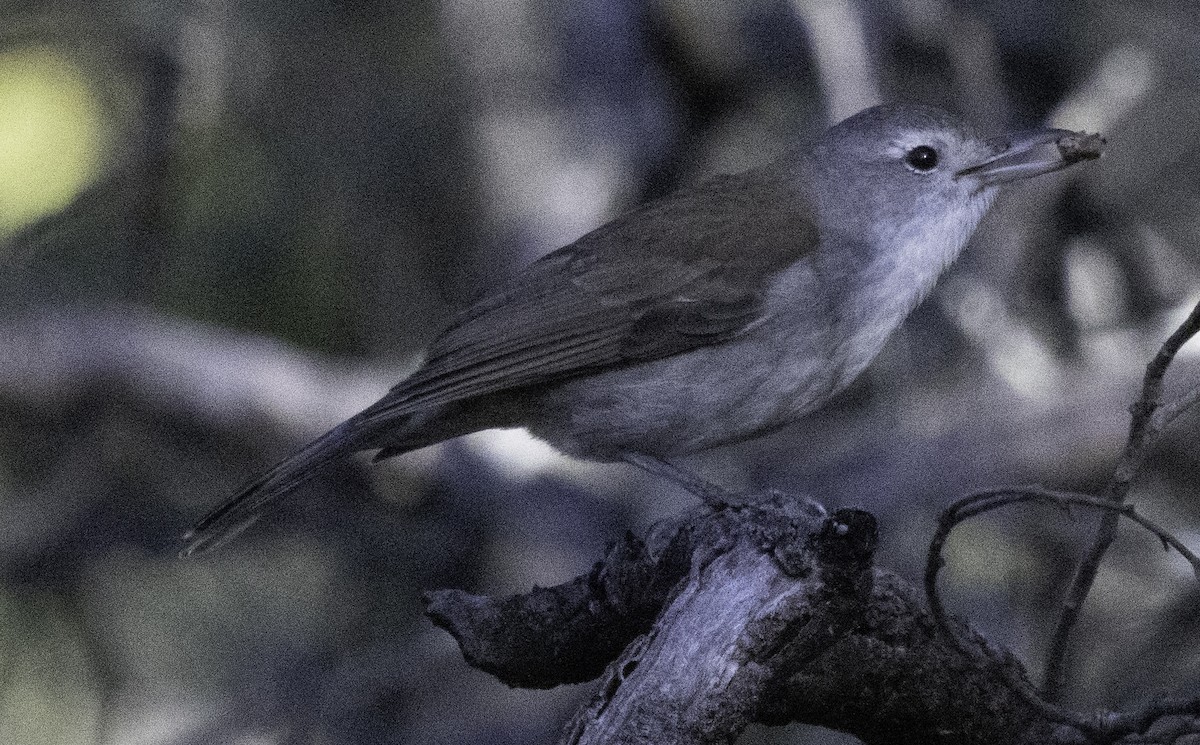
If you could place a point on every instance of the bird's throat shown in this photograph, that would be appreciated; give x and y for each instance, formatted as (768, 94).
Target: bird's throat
(876, 290)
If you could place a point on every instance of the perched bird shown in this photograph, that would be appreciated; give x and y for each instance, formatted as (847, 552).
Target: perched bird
(718, 313)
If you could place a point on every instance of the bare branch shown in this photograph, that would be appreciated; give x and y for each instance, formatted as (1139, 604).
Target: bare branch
(771, 620)
(951, 517)
(1168, 412)
(1107, 726)
(1144, 428)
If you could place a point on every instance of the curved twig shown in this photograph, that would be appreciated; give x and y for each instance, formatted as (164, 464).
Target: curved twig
(1104, 725)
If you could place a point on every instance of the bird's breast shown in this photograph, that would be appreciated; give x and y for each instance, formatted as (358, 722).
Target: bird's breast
(826, 317)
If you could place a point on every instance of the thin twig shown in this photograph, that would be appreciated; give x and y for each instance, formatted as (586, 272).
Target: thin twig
(993, 499)
(952, 516)
(1140, 721)
(1167, 412)
(1144, 428)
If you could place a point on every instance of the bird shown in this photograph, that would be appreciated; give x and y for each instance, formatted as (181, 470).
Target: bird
(718, 313)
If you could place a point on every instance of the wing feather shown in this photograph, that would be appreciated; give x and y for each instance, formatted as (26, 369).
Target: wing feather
(686, 271)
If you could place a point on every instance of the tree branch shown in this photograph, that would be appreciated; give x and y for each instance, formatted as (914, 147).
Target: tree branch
(772, 615)
(1104, 727)
(1144, 428)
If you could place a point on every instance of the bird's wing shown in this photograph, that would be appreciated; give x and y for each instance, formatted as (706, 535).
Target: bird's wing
(682, 272)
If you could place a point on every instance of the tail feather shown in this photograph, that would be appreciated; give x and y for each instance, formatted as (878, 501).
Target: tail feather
(242, 509)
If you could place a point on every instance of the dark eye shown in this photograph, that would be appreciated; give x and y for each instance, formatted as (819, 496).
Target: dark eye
(921, 158)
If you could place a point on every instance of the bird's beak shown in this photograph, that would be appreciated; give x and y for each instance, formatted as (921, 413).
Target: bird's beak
(1028, 154)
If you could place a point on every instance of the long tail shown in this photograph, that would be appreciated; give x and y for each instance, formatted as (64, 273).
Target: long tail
(242, 509)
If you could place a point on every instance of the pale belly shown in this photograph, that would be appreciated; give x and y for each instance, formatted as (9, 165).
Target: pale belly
(693, 401)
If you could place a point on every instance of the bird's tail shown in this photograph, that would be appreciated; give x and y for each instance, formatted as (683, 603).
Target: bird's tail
(242, 509)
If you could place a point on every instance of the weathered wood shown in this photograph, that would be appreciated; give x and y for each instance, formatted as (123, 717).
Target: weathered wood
(775, 616)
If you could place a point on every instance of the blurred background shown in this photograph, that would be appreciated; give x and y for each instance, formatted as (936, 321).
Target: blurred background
(226, 225)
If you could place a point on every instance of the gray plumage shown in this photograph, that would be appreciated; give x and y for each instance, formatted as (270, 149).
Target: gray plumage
(715, 314)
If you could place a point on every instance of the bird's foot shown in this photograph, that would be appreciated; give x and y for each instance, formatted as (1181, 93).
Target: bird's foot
(718, 497)
(713, 495)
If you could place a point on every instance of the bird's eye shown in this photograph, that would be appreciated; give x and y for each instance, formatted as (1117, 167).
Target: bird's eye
(921, 159)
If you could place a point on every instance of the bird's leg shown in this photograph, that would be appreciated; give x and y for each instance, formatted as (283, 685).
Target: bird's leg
(712, 495)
